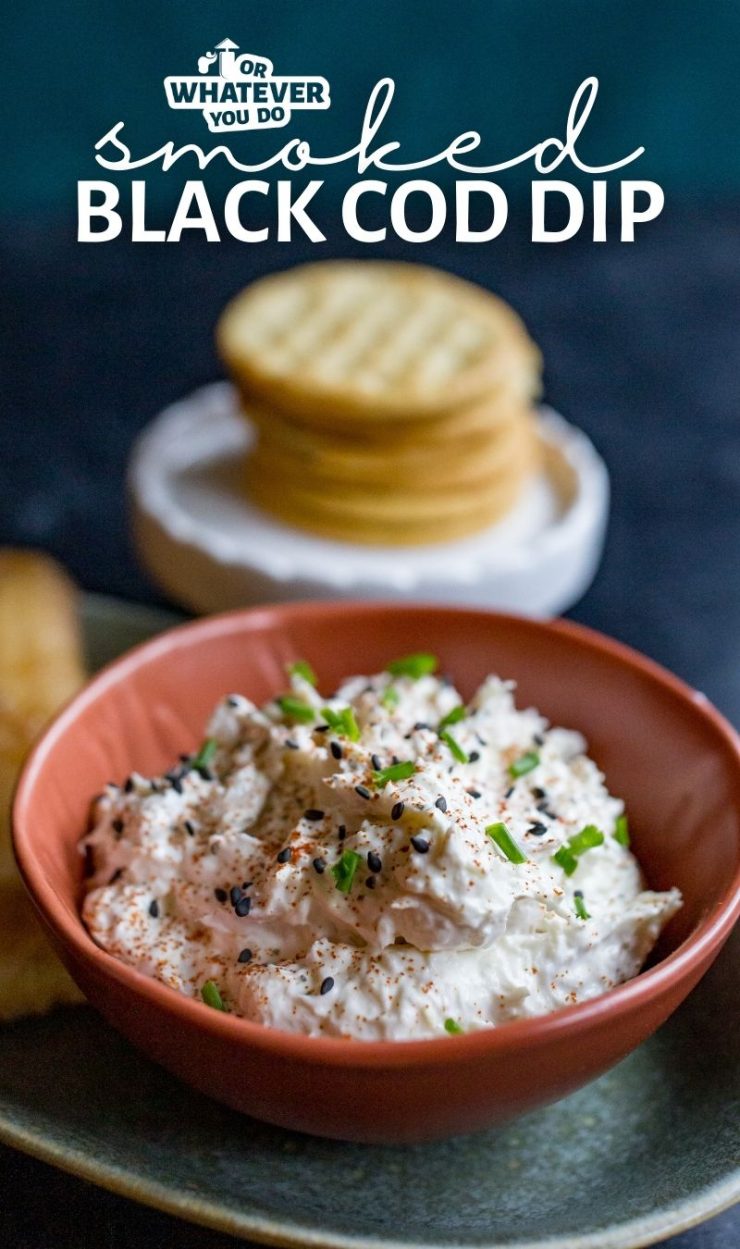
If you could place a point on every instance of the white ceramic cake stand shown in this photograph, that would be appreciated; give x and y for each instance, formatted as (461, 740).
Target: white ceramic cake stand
(211, 550)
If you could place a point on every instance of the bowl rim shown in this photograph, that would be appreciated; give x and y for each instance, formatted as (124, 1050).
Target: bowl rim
(707, 936)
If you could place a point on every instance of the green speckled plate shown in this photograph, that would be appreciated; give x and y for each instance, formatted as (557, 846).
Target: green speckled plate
(649, 1149)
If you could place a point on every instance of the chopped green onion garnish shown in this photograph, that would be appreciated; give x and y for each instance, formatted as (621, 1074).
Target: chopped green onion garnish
(390, 697)
(344, 871)
(211, 995)
(588, 837)
(342, 722)
(566, 860)
(580, 905)
(296, 709)
(526, 763)
(568, 855)
(505, 842)
(415, 666)
(302, 668)
(395, 772)
(205, 755)
(453, 1027)
(452, 717)
(333, 718)
(622, 831)
(455, 749)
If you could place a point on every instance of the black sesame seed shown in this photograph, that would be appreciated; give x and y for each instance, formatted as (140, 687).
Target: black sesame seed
(362, 791)
(321, 728)
(235, 894)
(313, 813)
(327, 984)
(243, 906)
(185, 758)
(539, 793)
(474, 793)
(474, 756)
(246, 884)
(176, 784)
(285, 855)
(420, 844)
(189, 829)
(129, 785)
(291, 745)
(398, 810)
(370, 882)
(341, 832)
(538, 739)
(116, 876)
(377, 762)
(232, 701)
(420, 726)
(117, 826)
(482, 740)
(319, 865)
(335, 749)
(374, 861)
(220, 895)
(577, 893)
(154, 908)
(441, 804)
(205, 773)
(509, 792)
(537, 829)
(245, 955)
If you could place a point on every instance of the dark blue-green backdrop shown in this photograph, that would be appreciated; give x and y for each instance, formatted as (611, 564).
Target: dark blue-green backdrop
(509, 68)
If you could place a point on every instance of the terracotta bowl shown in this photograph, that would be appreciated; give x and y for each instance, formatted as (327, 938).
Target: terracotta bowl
(670, 755)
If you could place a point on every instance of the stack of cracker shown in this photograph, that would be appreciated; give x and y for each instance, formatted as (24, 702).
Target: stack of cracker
(392, 402)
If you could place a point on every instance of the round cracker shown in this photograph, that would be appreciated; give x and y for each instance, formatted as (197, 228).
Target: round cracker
(375, 531)
(482, 418)
(397, 519)
(410, 469)
(398, 506)
(346, 343)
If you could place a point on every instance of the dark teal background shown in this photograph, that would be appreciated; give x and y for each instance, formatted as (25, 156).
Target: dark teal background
(508, 68)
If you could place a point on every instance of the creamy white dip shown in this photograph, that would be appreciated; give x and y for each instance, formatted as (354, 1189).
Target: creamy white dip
(318, 899)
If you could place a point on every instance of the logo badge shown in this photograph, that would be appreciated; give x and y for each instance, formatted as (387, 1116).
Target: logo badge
(239, 91)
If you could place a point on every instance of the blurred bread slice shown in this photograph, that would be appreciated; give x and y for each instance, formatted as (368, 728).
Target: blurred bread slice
(32, 979)
(41, 667)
